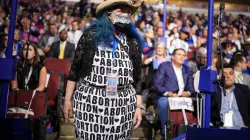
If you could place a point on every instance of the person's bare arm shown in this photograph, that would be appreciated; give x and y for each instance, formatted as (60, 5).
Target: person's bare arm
(14, 84)
(148, 60)
(67, 109)
(42, 79)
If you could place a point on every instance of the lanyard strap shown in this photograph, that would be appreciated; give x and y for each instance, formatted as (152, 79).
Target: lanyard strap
(27, 79)
(231, 101)
(115, 45)
(27, 112)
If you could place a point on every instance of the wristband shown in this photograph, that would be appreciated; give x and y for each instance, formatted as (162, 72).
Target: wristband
(141, 107)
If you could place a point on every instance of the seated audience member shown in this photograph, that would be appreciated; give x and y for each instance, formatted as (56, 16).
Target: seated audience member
(48, 38)
(172, 79)
(31, 74)
(246, 51)
(234, 105)
(200, 61)
(27, 31)
(150, 42)
(158, 37)
(3, 44)
(62, 49)
(149, 36)
(227, 50)
(197, 74)
(154, 61)
(239, 62)
(203, 38)
(179, 42)
(160, 56)
(17, 44)
(75, 34)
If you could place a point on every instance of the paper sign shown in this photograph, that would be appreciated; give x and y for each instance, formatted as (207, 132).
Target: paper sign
(176, 103)
(47, 80)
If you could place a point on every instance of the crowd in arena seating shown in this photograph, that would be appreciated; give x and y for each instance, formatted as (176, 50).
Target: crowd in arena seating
(54, 28)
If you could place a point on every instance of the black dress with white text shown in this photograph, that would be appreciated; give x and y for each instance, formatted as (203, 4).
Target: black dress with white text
(97, 116)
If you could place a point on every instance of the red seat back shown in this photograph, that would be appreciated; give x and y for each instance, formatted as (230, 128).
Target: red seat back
(53, 85)
(58, 65)
(177, 117)
(22, 98)
(190, 55)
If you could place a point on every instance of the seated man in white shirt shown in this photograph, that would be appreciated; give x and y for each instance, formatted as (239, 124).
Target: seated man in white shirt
(172, 79)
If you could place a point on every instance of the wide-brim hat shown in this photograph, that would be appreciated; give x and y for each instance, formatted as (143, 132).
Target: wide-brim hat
(107, 4)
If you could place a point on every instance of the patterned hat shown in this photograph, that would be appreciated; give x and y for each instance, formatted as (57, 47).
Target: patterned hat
(106, 4)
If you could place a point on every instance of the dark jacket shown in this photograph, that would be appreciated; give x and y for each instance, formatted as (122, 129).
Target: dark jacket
(242, 96)
(85, 52)
(44, 40)
(68, 52)
(165, 79)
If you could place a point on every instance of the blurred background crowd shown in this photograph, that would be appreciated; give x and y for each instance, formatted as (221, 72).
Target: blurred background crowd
(47, 23)
(44, 19)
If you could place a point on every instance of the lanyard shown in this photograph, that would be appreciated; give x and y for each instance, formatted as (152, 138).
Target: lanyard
(28, 78)
(231, 101)
(115, 45)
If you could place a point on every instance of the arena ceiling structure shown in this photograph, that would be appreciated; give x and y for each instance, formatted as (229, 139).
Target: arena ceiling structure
(205, 1)
(226, 1)
(230, 5)
(229, 1)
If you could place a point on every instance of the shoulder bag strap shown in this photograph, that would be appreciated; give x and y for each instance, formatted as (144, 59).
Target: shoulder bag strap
(27, 112)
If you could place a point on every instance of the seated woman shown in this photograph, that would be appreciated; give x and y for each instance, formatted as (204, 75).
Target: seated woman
(31, 74)
(160, 55)
(153, 62)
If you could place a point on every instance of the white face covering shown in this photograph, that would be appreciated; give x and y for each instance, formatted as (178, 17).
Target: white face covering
(122, 18)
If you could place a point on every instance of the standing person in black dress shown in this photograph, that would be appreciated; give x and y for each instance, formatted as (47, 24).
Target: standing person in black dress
(106, 73)
(31, 74)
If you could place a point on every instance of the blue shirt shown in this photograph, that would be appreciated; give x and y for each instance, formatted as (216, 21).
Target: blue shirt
(225, 108)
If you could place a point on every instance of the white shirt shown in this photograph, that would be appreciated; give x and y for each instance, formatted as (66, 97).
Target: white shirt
(180, 80)
(2, 54)
(194, 37)
(50, 41)
(61, 42)
(178, 73)
(74, 36)
(237, 42)
(197, 81)
(237, 79)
